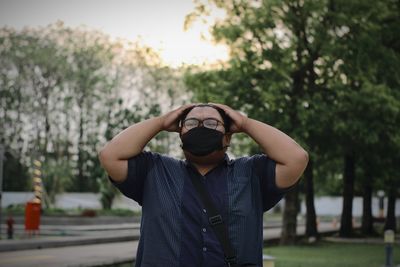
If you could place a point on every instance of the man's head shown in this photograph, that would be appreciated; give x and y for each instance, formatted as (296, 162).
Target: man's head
(204, 133)
(203, 111)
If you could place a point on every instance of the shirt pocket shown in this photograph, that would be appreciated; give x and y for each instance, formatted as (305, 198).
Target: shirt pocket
(160, 197)
(241, 195)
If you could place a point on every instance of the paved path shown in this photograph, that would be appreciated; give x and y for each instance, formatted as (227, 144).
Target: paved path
(98, 254)
(72, 235)
(96, 237)
(89, 255)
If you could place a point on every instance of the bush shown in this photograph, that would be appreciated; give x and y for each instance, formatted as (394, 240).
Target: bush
(89, 213)
(118, 212)
(54, 212)
(18, 209)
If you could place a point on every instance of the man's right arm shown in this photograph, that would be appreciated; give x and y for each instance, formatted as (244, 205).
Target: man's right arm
(131, 141)
(128, 143)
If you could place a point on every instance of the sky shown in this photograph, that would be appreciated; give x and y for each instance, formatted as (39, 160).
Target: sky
(157, 23)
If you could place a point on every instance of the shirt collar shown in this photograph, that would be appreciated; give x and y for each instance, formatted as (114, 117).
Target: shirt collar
(225, 161)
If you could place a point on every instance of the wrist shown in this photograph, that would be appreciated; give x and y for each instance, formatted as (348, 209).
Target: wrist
(160, 123)
(245, 125)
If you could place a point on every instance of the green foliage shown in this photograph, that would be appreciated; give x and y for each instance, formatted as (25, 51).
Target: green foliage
(54, 212)
(65, 92)
(107, 192)
(15, 209)
(118, 212)
(16, 176)
(322, 71)
(20, 211)
(56, 178)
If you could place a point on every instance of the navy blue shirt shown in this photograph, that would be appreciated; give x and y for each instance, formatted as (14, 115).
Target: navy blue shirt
(184, 234)
(199, 243)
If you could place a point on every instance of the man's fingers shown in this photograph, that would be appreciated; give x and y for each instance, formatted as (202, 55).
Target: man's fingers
(228, 110)
(225, 108)
(218, 105)
(180, 110)
(177, 112)
(184, 107)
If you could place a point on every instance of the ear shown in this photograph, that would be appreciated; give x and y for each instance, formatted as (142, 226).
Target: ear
(180, 131)
(228, 138)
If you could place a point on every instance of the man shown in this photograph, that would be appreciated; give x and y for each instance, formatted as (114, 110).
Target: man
(10, 226)
(175, 230)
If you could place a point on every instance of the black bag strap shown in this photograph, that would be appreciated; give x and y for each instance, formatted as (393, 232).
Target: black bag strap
(215, 219)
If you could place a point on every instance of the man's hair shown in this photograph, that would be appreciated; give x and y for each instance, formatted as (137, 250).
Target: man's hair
(226, 119)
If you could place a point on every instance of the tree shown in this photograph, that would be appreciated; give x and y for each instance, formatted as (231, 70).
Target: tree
(275, 48)
(13, 169)
(66, 91)
(363, 92)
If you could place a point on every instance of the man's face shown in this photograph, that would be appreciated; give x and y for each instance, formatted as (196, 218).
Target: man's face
(202, 113)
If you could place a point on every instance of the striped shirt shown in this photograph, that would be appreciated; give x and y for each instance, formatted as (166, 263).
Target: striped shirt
(174, 225)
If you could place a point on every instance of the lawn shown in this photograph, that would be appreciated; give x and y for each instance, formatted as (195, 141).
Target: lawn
(331, 255)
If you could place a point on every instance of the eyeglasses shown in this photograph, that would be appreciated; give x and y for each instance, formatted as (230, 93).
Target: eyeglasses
(208, 123)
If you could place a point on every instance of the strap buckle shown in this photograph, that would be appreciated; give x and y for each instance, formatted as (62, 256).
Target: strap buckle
(214, 220)
(231, 261)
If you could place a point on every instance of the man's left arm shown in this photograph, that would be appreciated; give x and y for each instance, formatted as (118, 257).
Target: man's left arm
(291, 159)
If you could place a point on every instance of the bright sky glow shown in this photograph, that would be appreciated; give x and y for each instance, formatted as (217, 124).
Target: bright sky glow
(158, 23)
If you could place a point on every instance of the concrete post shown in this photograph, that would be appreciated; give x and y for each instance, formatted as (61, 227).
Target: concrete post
(389, 240)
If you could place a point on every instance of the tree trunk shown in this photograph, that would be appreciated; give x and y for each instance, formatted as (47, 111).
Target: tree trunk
(289, 224)
(46, 115)
(390, 222)
(367, 226)
(67, 135)
(346, 223)
(81, 178)
(311, 218)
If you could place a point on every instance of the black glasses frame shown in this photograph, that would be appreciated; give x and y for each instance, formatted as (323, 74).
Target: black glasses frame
(201, 122)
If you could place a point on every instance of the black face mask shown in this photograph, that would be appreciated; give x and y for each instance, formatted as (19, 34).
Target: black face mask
(202, 141)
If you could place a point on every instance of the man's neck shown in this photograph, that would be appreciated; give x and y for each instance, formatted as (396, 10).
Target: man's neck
(205, 164)
(204, 169)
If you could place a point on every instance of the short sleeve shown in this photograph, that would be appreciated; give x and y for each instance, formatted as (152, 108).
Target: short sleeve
(138, 168)
(264, 168)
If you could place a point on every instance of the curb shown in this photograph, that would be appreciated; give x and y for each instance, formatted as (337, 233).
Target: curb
(65, 242)
(28, 244)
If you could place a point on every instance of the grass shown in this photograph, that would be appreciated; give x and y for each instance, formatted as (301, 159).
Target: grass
(325, 255)
(331, 255)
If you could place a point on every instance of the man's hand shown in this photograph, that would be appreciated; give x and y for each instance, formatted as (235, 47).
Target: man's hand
(170, 120)
(291, 159)
(130, 142)
(238, 119)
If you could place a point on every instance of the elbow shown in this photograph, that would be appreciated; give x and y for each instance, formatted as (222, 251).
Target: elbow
(304, 158)
(289, 174)
(300, 163)
(103, 155)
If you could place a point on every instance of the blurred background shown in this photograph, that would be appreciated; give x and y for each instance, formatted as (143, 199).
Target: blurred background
(73, 74)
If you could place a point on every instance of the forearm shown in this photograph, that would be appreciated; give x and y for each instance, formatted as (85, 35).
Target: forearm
(276, 144)
(131, 141)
